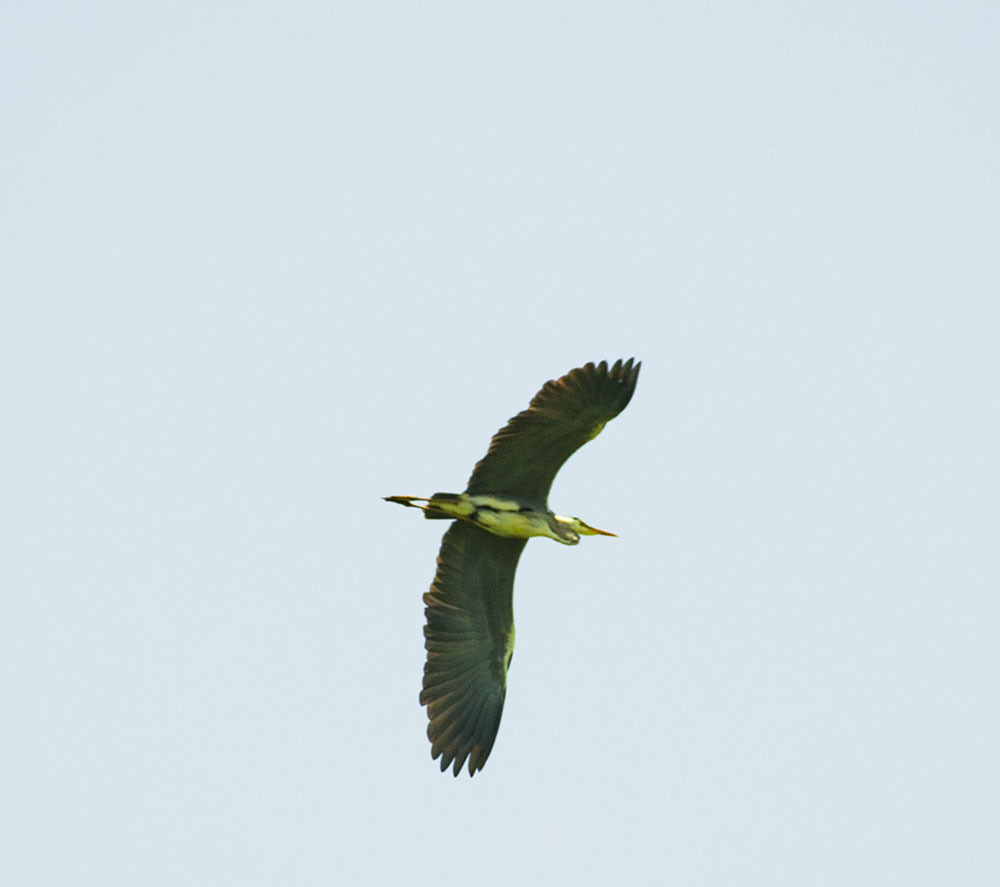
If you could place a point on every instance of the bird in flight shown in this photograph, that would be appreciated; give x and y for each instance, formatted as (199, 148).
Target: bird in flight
(469, 633)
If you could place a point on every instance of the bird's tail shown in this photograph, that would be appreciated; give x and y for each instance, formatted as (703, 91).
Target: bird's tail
(431, 511)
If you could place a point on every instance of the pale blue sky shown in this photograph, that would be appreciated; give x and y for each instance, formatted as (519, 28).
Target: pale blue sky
(262, 264)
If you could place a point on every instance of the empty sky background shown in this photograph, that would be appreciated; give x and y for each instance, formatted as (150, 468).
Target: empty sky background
(263, 264)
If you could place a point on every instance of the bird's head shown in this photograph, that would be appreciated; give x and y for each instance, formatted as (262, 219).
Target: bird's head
(570, 529)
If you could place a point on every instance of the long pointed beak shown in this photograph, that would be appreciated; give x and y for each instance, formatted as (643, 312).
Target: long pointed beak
(588, 530)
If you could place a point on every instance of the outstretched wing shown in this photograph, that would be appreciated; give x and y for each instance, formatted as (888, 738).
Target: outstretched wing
(526, 453)
(469, 637)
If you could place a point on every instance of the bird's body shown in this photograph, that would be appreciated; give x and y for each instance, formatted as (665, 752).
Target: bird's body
(511, 518)
(469, 635)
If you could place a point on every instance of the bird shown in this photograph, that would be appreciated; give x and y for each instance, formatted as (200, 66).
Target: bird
(469, 628)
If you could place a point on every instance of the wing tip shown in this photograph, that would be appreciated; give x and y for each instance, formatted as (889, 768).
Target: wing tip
(624, 372)
(457, 756)
(458, 761)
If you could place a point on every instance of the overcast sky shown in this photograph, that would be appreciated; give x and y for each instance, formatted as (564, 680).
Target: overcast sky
(263, 264)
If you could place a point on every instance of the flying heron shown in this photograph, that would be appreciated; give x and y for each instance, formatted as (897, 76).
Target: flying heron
(469, 635)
